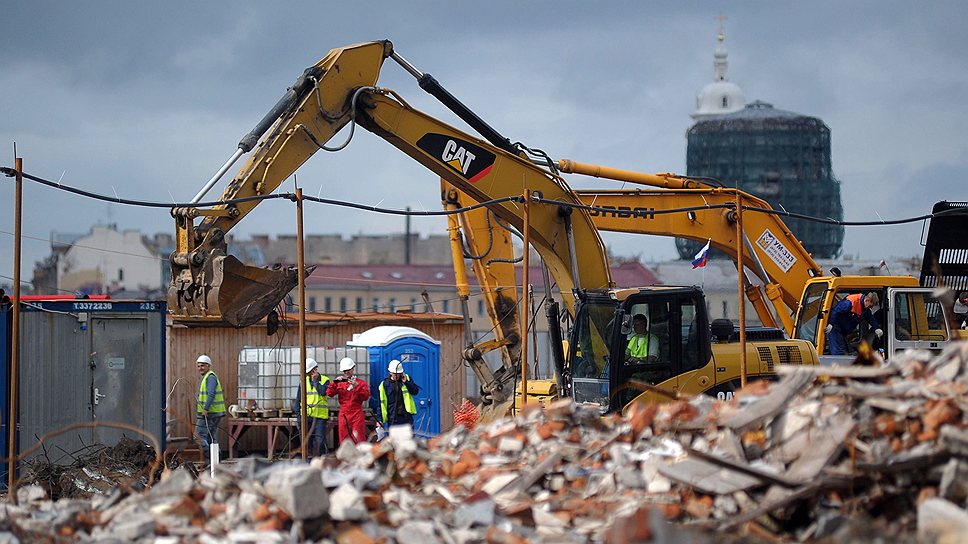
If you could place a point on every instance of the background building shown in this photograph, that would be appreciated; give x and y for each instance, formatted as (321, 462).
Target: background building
(779, 156)
(124, 264)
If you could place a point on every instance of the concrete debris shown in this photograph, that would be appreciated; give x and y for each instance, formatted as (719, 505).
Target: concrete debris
(842, 455)
(299, 491)
(346, 504)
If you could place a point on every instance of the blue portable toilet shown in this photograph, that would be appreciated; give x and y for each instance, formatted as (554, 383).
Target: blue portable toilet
(420, 355)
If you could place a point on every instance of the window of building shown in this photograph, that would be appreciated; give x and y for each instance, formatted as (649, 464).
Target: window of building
(312, 304)
(393, 305)
(120, 274)
(725, 310)
(725, 102)
(413, 305)
(328, 304)
(376, 304)
(446, 305)
(342, 304)
(359, 304)
(480, 307)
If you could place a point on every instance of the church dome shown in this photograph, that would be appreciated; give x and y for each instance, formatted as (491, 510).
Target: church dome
(721, 96)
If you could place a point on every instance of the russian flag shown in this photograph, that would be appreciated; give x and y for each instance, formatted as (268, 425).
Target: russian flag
(701, 257)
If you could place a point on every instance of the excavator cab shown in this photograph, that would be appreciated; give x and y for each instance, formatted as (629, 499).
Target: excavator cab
(627, 339)
(909, 316)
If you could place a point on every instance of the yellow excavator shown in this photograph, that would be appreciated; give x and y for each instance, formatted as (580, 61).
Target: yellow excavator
(339, 90)
(801, 296)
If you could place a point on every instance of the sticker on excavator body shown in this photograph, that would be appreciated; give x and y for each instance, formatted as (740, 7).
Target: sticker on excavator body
(469, 160)
(776, 251)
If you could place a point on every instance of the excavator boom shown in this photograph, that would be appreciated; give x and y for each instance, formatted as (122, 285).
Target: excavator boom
(770, 249)
(206, 283)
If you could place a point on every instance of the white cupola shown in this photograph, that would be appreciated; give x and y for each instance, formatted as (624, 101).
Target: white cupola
(720, 96)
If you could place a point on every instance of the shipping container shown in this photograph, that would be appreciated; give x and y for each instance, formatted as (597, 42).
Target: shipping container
(87, 362)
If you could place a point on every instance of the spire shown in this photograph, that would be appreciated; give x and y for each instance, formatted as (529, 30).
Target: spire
(720, 63)
(720, 96)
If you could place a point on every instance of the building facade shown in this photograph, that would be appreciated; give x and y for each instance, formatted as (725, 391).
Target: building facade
(103, 261)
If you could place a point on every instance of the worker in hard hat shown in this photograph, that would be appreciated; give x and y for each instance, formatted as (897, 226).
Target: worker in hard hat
(351, 393)
(396, 396)
(210, 406)
(317, 409)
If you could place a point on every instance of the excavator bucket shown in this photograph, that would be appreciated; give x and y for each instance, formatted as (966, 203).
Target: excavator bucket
(248, 293)
(490, 413)
(237, 293)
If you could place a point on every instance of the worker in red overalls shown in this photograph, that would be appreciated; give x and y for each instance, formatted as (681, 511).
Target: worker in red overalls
(351, 393)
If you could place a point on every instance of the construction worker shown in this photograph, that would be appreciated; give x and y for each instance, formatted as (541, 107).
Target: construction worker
(643, 346)
(351, 393)
(210, 407)
(845, 317)
(396, 396)
(317, 409)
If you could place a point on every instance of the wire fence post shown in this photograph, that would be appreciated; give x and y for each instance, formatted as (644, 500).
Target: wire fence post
(525, 307)
(301, 266)
(742, 288)
(13, 417)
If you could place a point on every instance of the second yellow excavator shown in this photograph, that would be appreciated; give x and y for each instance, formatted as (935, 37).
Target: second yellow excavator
(801, 295)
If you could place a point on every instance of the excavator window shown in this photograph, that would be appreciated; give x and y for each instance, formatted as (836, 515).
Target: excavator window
(648, 349)
(689, 316)
(590, 361)
(810, 314)
(918, 317)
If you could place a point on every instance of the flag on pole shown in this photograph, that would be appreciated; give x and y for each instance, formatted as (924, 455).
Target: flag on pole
(701, 257)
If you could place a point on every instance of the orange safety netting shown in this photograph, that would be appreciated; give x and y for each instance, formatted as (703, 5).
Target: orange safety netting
(466, 414)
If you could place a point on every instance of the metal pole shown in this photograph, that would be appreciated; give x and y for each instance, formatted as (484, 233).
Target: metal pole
(218, 175)
(741, 295)
(525, 307)
(14, 413)
(301, 264)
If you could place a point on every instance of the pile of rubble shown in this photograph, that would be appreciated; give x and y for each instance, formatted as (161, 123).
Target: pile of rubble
(833, 454)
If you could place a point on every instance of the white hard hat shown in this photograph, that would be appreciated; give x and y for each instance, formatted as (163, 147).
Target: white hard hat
(395, 367)
(346, 363)
(204, 359)
(311, 364)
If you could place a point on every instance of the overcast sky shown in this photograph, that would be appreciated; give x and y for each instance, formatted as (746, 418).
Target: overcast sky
(147, 100)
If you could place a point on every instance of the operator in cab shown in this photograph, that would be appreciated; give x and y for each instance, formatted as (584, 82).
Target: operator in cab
(845, 317)
(643, 346)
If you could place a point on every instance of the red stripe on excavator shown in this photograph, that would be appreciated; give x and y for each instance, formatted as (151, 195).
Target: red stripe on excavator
(483, 173)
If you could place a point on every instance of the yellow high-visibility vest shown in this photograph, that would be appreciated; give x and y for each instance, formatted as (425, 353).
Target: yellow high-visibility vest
(408, 403)
(218, 403)
(317, 405)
